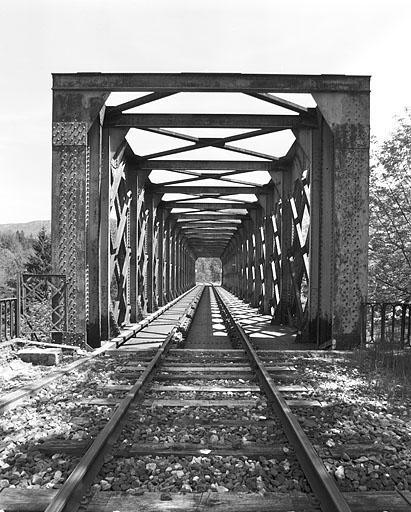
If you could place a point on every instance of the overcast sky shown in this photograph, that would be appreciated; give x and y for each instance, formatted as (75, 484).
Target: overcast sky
(40, 37)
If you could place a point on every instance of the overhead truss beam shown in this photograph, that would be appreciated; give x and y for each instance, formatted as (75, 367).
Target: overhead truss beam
(209, 121)
(210, 224)
(210, 191)
(205, 165)
(209, 206)
(209, 82)
(195, 217)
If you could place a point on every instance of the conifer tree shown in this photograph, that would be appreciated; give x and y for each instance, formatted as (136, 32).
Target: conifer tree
(40, 261)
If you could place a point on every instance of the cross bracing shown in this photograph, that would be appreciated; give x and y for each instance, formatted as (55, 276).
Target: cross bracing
(141, 189)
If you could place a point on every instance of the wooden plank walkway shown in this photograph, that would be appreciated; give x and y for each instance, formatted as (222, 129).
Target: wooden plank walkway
(259, 329)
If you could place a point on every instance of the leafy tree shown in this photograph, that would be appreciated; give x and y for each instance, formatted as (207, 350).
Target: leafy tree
(208, 270)
(390, 216)
(39, 262)
(14, 250)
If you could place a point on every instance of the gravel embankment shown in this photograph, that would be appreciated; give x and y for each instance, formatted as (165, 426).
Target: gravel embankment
(55, 414)
(364, 433)
(14, 373)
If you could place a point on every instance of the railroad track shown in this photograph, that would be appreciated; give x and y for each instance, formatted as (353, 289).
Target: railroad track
(15, 397)
(196, 431)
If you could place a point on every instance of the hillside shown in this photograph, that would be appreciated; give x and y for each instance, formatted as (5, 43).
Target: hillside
(29, 228)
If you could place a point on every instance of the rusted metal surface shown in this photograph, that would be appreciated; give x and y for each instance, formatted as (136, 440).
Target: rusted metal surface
(313, 279)
(209, 121)
(345, 246)
(204, 165)
(208, 82)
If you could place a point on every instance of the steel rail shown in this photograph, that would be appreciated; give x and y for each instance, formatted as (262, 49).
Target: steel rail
(70, 494)
(13, 398)
(321, 482)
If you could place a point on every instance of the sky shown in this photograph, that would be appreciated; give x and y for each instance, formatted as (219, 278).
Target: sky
(41, 37)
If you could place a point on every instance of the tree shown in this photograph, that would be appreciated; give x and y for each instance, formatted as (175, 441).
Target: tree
(208, 270)
(13, 256)
(39, 262)
(390, 216)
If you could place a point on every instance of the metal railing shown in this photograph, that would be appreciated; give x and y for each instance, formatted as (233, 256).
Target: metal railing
(9, 318)
(387, 324)
(43, 304)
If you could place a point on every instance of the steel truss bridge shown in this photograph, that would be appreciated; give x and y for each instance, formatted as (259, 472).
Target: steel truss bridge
(295, 246)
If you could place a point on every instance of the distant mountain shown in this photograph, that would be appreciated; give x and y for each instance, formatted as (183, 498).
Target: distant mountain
(29, 228)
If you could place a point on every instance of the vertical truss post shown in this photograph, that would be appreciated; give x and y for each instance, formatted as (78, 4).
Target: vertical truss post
(243, 262)
(142, 220)
(190, 268)
(283, 307)
(234, 267)
(176, 260)
(182, 265)
(173, 261)
(133, 244)
(177, 263)
(237, 263)
(105, 238)
(187, 272)
(225, 262)
(228, 265)
(93, 235)
(167, 267)
(136, 179)
(161, 259)
(73, 115)
(150, 250)
(185, 269)
(267, 203)
(256, 242)
(193, 265)
(148, 198)
(111, 143)
(347, 221)
(249, 260)
(321, 236)
(156, 253)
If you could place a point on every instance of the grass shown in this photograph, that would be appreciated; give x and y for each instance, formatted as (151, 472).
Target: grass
(386, 367)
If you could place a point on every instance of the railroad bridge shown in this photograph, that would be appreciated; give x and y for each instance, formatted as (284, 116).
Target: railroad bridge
(291, 230)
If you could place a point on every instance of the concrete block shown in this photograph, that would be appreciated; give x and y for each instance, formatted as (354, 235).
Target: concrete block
(36, 356)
